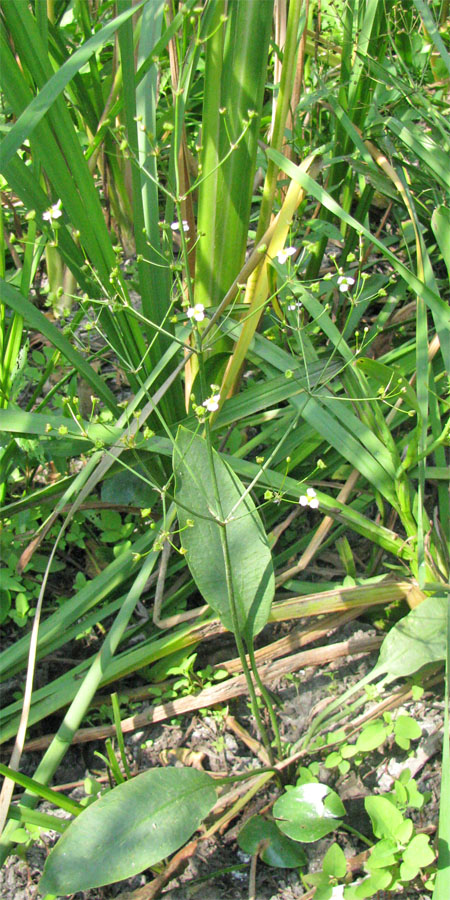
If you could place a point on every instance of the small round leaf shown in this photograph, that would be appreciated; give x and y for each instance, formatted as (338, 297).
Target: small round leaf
(280, 852)
(371, 737)
(309, 812)
(416, 856)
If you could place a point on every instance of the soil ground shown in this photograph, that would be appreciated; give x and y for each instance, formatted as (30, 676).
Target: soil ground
(218, 870)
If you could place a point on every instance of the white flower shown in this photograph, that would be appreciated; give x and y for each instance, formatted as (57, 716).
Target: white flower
(309, 499)
(175, 226)
(196, 312)
(293, 306)
(337, 892)
(53, 212)
(282, 255)
(344, 282)
(212, 403)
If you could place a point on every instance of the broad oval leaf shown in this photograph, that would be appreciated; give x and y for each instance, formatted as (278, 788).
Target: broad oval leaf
(281, 851)
(250, 557)
(418, 639)
(308, 812)
(368, 887)
(132, 827)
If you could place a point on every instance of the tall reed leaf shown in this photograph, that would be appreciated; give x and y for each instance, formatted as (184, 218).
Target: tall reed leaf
(235, 76)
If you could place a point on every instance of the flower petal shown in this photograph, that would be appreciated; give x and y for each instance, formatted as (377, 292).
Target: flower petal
(175, 226)
(212, 403)
(196, 312)
(282, 255)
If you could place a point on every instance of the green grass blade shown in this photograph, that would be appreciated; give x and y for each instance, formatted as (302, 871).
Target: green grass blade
(41, 790)
(428, 20)
(86, 691)
(35, 319)
(23, 182)
(440, 223)
(424, 148)
(43, 820)
(348, 445)
(442, 886)
(40, 105)
(437, 305)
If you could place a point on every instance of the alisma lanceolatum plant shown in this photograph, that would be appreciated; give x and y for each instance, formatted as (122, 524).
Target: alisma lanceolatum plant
(253, 358)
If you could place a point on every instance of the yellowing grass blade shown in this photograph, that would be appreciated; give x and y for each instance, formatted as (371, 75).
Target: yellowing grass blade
(256, 296)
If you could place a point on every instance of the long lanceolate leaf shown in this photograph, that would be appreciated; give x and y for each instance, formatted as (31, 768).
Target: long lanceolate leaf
(40, 105)
(126, 41)
(153, 278)
(53, 138)
(433, 31)
(249, 554)
(129, 829)
(62, 159)
(146, 99)
(442, 887)
(209, 212)
(364, 25)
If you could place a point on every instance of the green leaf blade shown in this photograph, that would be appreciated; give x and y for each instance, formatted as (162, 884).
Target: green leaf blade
(418, 639)
(309, 812)
(132, 827)
(250, 557)
(280, 850)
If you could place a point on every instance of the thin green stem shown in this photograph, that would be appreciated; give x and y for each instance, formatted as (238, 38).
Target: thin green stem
(358, 834)
(240, 644)
(266, 697)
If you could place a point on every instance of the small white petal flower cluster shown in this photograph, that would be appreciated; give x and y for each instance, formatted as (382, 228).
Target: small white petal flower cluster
(345, 282)
(293, 306)
(53, 212)
(283, 255)
(175, 226)
(309, 499)
(212, 403)
(196, 312)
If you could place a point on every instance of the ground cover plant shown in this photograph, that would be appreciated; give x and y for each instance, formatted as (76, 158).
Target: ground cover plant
(224, 370)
